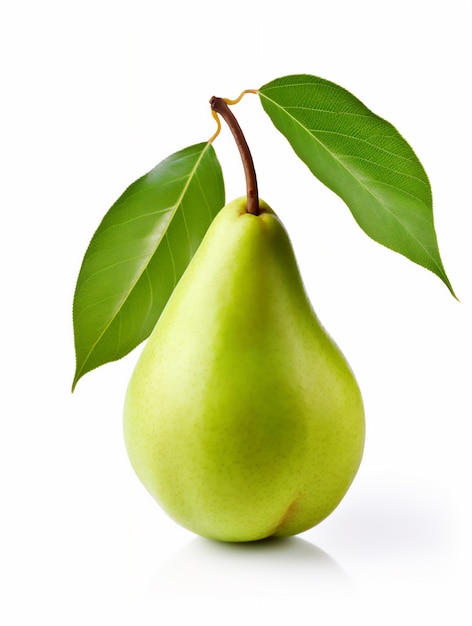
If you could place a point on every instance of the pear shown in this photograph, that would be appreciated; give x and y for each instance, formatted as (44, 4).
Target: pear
(242, 418)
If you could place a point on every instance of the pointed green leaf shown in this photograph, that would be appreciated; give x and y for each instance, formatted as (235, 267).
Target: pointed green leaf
(363, 159)
(139, 252)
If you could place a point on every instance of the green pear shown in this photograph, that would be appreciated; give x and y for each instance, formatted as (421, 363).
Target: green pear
(242, 418)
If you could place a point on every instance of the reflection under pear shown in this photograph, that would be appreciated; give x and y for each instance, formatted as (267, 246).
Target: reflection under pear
(272, 567)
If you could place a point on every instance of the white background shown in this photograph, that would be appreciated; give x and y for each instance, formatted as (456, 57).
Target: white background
(94, 94)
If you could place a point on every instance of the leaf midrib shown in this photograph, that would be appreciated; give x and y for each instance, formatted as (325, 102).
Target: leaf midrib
(145, 266)
(356, 180)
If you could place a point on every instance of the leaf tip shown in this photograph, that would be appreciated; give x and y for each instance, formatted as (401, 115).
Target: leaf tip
(452, 292)
(74, 383)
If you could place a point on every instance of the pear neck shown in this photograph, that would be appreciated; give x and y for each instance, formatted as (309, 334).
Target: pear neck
(220, 106)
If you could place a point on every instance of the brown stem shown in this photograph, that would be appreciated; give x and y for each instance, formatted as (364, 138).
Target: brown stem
(219, 106)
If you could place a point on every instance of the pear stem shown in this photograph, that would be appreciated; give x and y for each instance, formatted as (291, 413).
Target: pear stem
(220, 106)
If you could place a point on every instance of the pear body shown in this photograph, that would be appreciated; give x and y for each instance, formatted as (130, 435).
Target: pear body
(242, 417)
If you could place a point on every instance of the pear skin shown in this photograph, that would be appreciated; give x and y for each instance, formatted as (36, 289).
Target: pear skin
(242, 417)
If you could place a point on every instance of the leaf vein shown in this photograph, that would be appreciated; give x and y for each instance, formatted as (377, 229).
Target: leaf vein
(126, 295)
(370, 192)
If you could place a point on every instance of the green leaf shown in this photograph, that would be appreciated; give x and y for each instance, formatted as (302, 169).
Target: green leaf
(139, 252)
(363, 159)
